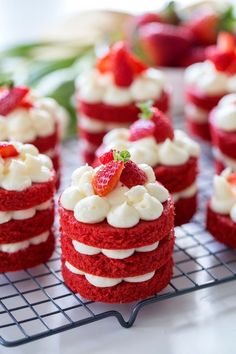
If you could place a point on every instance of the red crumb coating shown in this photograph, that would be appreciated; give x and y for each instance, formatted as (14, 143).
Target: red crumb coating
(123, 292)
(30, 257)
(202, 100)
(185, 208)
(20, 230)
(119, 114)
(47, 142)
(93, 138)
(199, 130)
(225, 141)
(103, 235)
(177, 178)
(138, 263)
(36, 194)
(221, 227)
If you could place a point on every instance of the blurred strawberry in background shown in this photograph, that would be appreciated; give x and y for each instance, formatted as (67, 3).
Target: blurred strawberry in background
(167, 38)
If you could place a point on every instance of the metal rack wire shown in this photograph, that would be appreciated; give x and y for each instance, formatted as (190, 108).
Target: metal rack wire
(35, 303)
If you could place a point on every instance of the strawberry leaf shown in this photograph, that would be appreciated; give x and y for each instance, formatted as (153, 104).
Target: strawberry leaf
(227, 20)
(146, 109)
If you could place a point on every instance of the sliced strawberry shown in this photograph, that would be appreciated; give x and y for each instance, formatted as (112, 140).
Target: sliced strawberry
(232, 178)
(107, 157)
(141, 129)
(226, 42)
(107, 177)
(12, 99)
(121, 67)
(25, 103)
(163, 128)
(8, 150)
(132, 175)
(104, 63)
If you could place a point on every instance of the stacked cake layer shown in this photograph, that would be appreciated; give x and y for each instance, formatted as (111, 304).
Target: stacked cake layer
(26, 208)
(223, 132)
(107, 96)
(116, 248)
(34, 120)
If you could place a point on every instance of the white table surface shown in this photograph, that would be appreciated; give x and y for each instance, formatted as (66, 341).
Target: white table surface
(200, 322)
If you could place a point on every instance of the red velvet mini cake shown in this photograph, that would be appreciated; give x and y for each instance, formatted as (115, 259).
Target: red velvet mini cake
(27, 118)
(172, 155)
(117, 231)
(223, 132)
(208, 82)
(221, 212)
(107, 95)
(27, 185)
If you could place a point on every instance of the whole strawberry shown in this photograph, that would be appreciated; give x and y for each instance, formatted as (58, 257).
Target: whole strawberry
(152, 123)
(132, 175)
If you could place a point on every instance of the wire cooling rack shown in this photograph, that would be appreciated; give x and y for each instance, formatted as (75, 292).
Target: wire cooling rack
(35, 303)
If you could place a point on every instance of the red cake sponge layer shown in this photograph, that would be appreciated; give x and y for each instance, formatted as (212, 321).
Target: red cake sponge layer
(225, 141)
(119, 114)
(103, 235)
(221, 227)
(30, 257)
(121, 293)
(37, 194)
(202, 100)
(199, 130)
(138, 263)
(46, 143)
(185, 208)
(177, 178)
(20, 230)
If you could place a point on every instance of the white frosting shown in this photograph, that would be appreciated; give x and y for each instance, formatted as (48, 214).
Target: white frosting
(123, 207)
(104, 282)
(115, 254)
(195, 113)
(225, 113)
(185, 193)
(18, 173)
(226, 160)
(25, 125)
(23, 214)
(223, 200)
(204, 77)
(19, 246)
(92, 125)
(95, 87)
(170, 153)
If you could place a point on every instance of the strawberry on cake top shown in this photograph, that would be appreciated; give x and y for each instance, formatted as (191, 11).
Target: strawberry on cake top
(208, 82)
(27, 185)
(223, 132)
(221, 214)
(107, 94)
(172, 154)
(29, 118)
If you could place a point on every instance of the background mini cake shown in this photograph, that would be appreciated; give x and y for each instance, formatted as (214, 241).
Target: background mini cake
(107, 95)
(223, 132)
(207, 82)
(27, 185)
(117, 231)
(173, 156)
(221, 212)
(28, 118)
